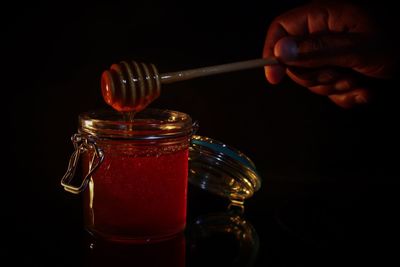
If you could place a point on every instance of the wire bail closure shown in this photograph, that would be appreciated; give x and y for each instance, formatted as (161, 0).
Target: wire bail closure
(82, 144)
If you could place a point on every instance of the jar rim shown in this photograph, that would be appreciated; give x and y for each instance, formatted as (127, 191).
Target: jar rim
(148, 124)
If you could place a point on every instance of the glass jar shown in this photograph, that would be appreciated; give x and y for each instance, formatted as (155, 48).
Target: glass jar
(137, 172)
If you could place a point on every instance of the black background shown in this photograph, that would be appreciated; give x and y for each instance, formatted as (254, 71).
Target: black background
(331, 172)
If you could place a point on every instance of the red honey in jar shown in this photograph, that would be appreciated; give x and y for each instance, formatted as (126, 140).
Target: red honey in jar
(136, 187)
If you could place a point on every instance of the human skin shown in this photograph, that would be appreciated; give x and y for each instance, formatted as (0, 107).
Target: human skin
(331, 48)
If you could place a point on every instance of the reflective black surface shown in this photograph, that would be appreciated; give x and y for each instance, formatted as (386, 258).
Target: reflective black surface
(287, 224)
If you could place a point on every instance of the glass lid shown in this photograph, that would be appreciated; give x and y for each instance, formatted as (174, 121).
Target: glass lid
(222, 170)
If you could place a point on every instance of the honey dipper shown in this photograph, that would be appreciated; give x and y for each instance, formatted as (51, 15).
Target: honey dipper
(131, 86)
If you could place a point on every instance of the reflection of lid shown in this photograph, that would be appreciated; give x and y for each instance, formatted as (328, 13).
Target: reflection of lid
(225, 238)
(222, 170)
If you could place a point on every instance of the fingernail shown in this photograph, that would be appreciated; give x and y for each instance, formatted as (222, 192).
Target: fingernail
(360, 99)
(342, 85)
(325, 77)
(286, 49)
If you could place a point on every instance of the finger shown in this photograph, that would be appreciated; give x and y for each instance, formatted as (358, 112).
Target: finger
(352, 98)
(274, 34)
(322, 17)
(311, 77)
(334, 88)
(273, 73)
(345, 84)
(337, 79)
(340, 50)
(327, 89)
(330, 89)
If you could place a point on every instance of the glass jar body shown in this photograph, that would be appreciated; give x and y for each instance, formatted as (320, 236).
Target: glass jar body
(138, 193)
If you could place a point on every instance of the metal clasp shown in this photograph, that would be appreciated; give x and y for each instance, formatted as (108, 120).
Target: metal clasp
(82, 144)
(195, 128)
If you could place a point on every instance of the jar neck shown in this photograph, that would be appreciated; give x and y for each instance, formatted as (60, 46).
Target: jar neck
(151, 125)
(132, 142)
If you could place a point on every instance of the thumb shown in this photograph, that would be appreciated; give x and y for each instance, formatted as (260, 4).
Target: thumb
(334, 49)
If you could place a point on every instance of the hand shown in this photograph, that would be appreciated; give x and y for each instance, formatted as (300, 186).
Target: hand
(330, 48)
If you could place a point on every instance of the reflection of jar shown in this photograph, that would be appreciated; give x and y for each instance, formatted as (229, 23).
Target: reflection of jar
(138, 191)
(169, 253)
